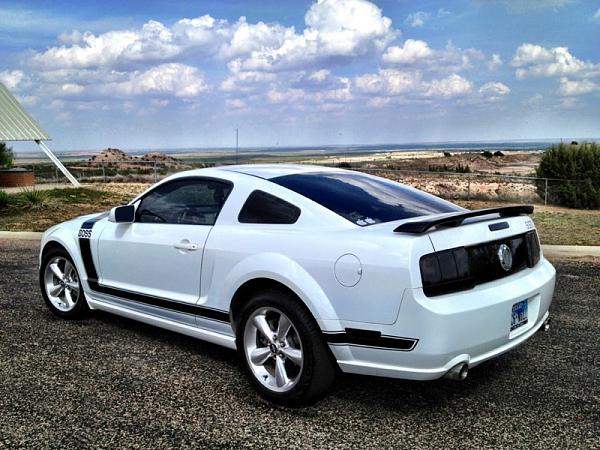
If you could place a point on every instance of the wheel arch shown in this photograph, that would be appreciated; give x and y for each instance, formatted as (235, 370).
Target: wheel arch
(274, 271)
(51, 245)
(251, 287)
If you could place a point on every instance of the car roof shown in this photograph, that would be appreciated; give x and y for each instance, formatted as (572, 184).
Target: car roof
(268, 171)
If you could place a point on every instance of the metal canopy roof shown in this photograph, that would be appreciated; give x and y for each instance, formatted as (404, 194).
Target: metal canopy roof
(15, 123)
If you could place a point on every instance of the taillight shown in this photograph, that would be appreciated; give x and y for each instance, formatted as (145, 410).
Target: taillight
(533, 248)
(446, 271)
(463, 268)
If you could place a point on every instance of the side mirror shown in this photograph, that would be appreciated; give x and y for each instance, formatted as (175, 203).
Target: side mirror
(122, 214)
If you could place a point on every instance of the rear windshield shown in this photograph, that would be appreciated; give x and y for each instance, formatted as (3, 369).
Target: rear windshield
(362, 199)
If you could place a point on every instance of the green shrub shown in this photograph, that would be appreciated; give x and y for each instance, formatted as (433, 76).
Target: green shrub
(498, 153)
(6, 156)
(580, 167)
(4, 198)
(344, 165)
(487, 154)
(459, 168)
(33, 197)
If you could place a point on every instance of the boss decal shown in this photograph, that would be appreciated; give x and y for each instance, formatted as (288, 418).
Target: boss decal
(84, 233)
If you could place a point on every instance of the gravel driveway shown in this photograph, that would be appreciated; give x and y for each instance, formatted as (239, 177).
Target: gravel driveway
(112, 382)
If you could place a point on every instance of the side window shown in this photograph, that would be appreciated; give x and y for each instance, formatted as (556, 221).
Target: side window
(184, 202)
(261, 207)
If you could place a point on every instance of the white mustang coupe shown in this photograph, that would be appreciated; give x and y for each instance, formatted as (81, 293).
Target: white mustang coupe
(306, 270)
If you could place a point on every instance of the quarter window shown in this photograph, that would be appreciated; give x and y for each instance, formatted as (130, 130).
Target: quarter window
(261, 207)
(184, 202)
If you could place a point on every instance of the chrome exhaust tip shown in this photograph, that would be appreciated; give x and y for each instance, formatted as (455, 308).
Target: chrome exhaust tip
(546, 325)
(459, 372)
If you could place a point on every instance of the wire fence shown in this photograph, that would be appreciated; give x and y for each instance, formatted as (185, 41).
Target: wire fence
(449, 185)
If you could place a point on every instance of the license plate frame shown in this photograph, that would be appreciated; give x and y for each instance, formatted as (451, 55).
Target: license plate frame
(519, 315)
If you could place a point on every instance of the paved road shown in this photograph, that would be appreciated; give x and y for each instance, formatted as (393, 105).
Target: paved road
(111, 382)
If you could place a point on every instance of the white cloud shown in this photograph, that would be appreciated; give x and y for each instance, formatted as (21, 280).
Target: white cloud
(336, 31)
(577, 87)
(378, 102)
(535, 101)
(449, 59)
(523, 6)
(152, 42)
(417, 19)
(247, 38)
(597, 15)
(449, 87)
(12, 78)
(71, 89)
(175, 79)
(569, 103)
(235, 103)
(389, 82)
(494, 62)
(413, 51)
(537, 61)
(494, 91)
(410, 84)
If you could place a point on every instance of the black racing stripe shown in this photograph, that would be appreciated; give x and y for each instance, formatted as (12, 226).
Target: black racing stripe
(89, 224)
(92, 278)
(370, 338)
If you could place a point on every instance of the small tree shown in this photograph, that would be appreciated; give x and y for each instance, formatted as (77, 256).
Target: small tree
(6, 156)
(579, 167)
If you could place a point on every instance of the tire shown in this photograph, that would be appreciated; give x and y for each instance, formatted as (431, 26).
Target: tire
(301, 353)
(63, 295)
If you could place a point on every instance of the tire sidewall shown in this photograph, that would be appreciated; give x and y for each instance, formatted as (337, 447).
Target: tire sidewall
(81, 308)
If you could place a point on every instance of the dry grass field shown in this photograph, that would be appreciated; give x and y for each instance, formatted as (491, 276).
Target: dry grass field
(27, 211)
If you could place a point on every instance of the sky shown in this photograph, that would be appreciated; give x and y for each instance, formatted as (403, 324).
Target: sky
(178, 74)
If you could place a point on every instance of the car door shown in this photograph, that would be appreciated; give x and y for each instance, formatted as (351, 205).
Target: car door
(160, 254)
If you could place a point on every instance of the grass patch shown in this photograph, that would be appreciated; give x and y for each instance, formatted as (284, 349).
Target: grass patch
(557, 225)
(35, 210)
(562, 226)
(4, 199)
(33, 197)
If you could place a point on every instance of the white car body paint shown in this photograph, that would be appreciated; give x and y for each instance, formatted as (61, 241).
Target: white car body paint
(375, 286)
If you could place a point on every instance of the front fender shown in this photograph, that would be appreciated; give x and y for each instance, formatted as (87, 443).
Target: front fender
(65, 234)
(286, 271)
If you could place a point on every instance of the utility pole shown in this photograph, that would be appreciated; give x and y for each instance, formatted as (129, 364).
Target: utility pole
(236, 145)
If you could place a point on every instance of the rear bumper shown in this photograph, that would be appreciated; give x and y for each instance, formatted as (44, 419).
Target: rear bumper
(466, 327)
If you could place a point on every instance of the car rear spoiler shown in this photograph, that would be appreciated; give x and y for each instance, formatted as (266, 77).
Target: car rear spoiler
(454, 220)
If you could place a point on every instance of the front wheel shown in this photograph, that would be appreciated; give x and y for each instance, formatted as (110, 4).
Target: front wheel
(283, 351)
(60, 285)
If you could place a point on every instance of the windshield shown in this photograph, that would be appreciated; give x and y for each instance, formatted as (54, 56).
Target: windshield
(362, 199)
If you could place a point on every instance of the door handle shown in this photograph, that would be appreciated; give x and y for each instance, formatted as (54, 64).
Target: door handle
(186, 245)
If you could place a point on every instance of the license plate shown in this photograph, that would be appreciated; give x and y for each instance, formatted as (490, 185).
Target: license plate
(519, 315)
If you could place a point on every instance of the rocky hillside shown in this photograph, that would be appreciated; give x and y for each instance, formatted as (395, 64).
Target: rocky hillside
(116, 157)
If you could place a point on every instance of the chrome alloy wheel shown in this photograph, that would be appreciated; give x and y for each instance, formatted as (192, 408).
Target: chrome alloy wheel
(62, 283)
(273, 349)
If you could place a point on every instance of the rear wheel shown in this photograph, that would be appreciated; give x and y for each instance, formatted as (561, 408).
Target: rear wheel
(60, 285)
(282, 349)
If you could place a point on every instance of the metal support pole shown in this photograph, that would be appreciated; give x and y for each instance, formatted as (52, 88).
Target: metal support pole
(155, 176)
(236, 145)
(468, 187)
(58, 164)
(103, 173)
(546, 193)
